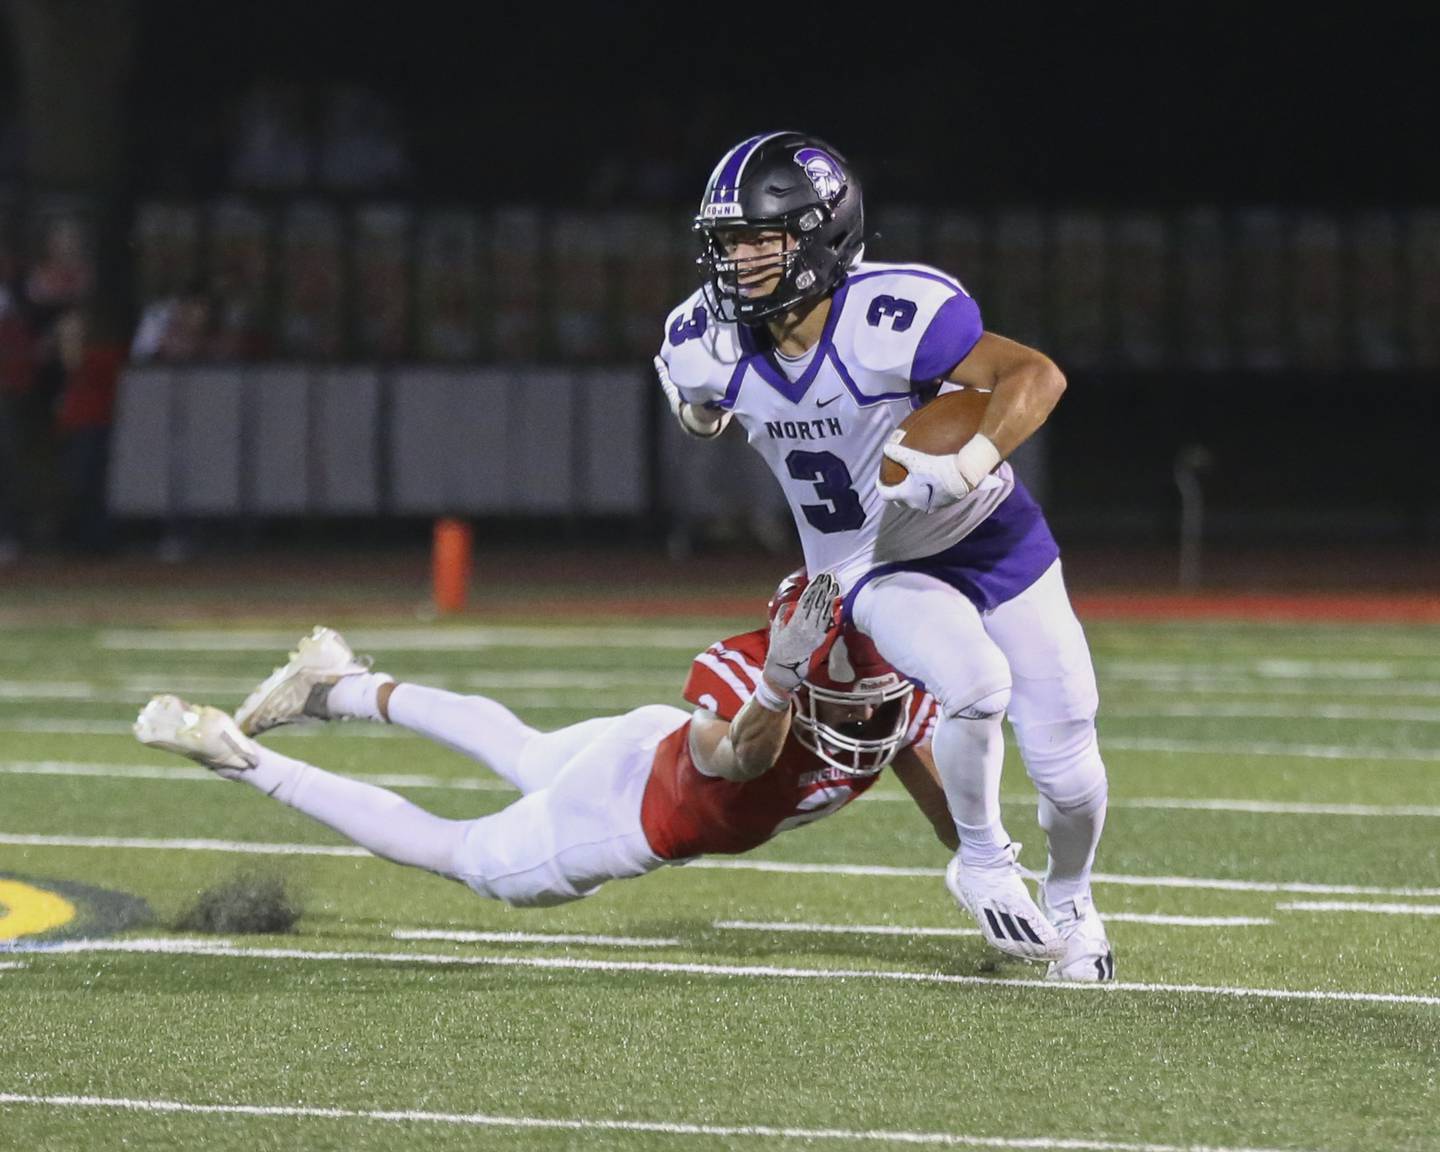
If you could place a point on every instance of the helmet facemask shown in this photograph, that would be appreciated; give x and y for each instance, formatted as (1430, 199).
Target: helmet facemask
(858, 730)
(801, 264)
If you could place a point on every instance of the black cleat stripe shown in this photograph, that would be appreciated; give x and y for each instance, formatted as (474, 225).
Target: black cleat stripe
(1025, 927)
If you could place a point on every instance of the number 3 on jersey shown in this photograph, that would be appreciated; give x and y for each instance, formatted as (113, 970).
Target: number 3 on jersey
(842, 511)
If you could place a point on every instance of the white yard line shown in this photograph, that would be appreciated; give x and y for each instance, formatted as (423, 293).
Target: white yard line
(1369, 909)
(1293, 751)
(414, 639)
(1229, 686)
(1266, 807)
(540, 702)
(167, 772)
(12, 965)
(533, 938)
(666, 968)
(1260, 668)
(903, 930)
(1123, 880)
(602, 1124)
(247, 847)
(118, 771)
(1259, 711)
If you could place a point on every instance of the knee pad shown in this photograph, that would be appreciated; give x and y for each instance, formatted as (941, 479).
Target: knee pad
(1063, 760)
(974, 689)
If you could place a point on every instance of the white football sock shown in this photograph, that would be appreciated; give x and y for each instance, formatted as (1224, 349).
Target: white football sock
(354, 697)
(1074, 832)
(969, 755)
(1063, 759)
(374, 818)
(475, 726)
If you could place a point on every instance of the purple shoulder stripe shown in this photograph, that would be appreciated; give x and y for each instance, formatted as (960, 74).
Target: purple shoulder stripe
(954, 331)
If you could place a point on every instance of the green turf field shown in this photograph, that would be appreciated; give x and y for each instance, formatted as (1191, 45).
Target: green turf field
(1271, 875)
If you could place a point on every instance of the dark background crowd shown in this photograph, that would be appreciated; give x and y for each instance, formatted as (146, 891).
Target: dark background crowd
(1193, 188)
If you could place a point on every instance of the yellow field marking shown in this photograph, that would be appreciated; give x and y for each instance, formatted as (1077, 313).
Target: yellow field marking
(27, 911)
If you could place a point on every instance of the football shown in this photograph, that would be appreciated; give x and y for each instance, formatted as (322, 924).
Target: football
(942, 425)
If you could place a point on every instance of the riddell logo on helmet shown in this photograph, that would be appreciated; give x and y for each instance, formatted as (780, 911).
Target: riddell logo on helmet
(720, 211)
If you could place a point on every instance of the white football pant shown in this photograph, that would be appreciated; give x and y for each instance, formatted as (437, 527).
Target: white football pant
(1029, 655)
(577, 826)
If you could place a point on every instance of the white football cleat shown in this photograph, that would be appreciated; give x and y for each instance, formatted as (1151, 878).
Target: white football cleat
(1088, 955)
(197, 732)
(998, 899)
(298, 689)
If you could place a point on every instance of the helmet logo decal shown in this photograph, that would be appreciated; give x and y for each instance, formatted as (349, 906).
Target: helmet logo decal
(824, 173)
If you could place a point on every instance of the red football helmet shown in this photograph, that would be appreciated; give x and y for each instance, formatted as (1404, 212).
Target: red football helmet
(854, 708)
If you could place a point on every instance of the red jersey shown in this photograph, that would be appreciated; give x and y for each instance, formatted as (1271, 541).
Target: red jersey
(686, 813)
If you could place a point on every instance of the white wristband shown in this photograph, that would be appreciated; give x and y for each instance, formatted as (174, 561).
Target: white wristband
(976, 459)
(696, 424)
(768, 698)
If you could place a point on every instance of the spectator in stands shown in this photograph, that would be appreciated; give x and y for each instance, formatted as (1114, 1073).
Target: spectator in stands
(83, 422)
(16, 371)
(176, 329)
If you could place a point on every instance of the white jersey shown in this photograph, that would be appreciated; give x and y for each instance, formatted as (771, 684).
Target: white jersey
(821, 422)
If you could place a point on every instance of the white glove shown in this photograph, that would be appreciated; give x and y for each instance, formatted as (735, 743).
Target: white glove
(694, 418)
(934, 481)
(795, 639)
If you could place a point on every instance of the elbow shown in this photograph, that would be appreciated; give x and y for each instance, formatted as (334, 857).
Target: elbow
(1055, 382)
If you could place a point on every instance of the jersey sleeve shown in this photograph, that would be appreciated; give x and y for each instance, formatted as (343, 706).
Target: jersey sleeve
(948, 339)
(726, 674)
(924, 713)
(912, 322)
(689, 349)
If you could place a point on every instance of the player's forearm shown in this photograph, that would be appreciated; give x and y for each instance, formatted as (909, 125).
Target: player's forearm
(1026, 392)
(917, 772)
(753, 744)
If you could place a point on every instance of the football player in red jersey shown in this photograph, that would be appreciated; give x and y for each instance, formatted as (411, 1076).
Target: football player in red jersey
(791, 723)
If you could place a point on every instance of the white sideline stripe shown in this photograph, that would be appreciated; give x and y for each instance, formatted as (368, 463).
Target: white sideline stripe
(1296, 751)
(414, 639)
(167, 772)
(669, 968)
(487, 784)
(589, 1124)
(1343, 906)
(13, 964)
(1258, 711)
(533, 938)
(902, 930)
(259, 848)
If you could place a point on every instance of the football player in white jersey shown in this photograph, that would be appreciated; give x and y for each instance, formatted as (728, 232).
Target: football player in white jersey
(819, 355)
(791, 723)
